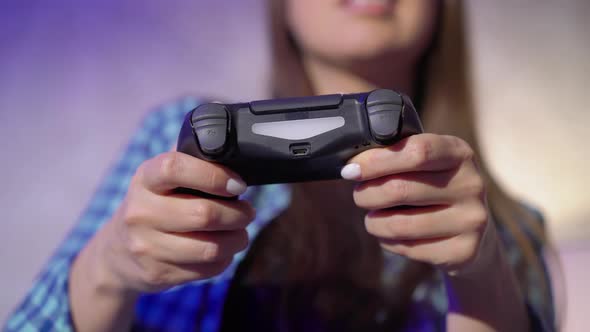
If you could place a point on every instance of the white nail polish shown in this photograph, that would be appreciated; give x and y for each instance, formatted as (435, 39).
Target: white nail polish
(235, 187)
(351, 172)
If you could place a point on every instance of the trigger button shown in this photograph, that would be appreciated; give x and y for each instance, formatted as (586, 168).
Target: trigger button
(210, 126)
(384, 121)
(384, 109)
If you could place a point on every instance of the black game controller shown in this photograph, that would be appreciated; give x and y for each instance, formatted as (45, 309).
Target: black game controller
(296, 139)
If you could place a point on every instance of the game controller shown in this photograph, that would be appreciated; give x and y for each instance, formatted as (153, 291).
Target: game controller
(296, 139)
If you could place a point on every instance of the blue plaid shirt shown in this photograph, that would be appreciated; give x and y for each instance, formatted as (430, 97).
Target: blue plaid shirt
(198, 305)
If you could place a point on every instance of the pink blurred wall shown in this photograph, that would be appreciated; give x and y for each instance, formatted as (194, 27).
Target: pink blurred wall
(76, 78)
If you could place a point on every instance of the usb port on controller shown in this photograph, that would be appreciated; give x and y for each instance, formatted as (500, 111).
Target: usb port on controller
(300, 149)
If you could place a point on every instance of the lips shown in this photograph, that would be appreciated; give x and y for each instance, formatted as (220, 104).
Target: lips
(369, 7)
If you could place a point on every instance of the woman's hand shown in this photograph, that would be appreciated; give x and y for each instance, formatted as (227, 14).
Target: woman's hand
(159, 238)
(426, 199)
(427, 202)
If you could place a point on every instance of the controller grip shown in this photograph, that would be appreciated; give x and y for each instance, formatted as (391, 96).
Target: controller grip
(202, 194)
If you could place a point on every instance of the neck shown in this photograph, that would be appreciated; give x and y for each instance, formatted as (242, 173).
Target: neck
(328, 77)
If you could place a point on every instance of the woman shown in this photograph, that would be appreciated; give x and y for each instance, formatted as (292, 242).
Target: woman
(441, 247)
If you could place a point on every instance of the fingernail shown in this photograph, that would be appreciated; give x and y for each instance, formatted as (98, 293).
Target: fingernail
(236, 187)
(351, 172)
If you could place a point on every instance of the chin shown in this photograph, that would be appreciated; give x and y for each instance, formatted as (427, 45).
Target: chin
(358, 47)
(359, 39)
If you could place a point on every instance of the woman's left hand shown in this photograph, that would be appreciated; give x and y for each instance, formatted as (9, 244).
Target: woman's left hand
(427, 201)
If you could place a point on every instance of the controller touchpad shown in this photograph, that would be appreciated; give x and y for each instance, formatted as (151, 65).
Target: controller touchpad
(298, 129)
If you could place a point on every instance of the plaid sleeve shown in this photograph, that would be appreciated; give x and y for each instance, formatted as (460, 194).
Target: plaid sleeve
(46, 306)
(540, 304)
(537, 292)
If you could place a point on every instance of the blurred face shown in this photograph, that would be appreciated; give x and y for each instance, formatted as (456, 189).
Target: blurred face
(352, 30)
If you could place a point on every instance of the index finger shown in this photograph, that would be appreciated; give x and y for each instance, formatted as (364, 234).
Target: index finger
(423, 152)
(172, 170)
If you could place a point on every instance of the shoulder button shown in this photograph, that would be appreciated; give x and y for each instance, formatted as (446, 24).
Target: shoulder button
(210, 126)
(384, 109)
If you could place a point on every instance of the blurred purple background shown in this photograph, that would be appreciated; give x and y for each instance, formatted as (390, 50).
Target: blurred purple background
(77, 76)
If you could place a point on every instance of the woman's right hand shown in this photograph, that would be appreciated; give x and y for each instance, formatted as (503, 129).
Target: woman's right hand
(158, 238)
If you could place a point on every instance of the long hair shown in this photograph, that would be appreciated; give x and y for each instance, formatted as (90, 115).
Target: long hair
(308, 240)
